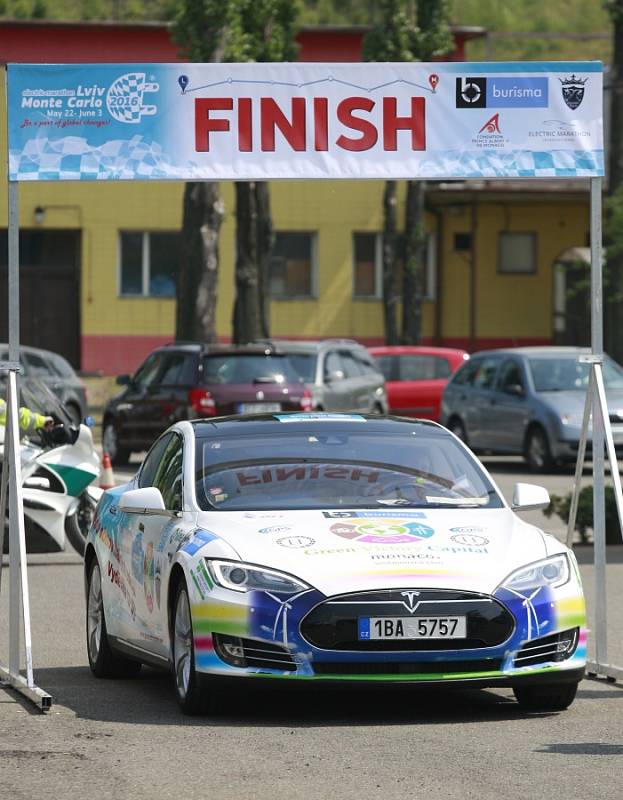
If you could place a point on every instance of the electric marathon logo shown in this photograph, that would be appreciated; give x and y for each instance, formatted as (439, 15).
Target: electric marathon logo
(124, 100)
(248, 119)
(84, 104)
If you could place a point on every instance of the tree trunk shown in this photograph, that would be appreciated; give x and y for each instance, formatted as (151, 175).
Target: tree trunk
(247, 313)
(414, 264)
(389, 260)
(197, 289)
(613, 306)
(264, 249)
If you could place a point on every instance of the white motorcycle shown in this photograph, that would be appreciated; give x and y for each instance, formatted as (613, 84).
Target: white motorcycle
(58, 469)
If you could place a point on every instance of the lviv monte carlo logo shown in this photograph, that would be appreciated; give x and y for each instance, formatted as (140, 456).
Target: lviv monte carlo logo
(383, 531)
(125, 97)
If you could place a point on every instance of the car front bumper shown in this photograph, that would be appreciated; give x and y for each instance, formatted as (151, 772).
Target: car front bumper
(268, 638)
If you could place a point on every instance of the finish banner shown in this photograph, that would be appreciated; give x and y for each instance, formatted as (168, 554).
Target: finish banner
(304, 120)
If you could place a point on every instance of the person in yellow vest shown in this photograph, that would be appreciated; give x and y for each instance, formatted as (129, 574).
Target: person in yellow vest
(29, 421)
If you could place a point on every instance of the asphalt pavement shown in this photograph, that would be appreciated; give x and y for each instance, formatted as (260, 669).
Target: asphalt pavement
(127, 739)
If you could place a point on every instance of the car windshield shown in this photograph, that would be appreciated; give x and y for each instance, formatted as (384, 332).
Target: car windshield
(305, 467)
(555, 374)
(227, 368)
(304, 364)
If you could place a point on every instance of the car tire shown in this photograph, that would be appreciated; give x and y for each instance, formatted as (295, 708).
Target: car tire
(77, 525)
(192, 694)
(537, 453)
(104, 662)
(552, 697)
(456, 427)
(119, 455)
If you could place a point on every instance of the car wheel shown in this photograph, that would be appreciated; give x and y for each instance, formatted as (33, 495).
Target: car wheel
(456, 427)
(103, 661)
(77, 525)
(119, 455)
(554, 697)
(192, 697)
(537, 452)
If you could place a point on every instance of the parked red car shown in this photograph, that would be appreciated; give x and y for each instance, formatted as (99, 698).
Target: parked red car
(415, 377)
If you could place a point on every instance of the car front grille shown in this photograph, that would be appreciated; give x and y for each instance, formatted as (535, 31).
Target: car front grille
(253, 653)
(334, 623)
(407, 667)
(557, 647)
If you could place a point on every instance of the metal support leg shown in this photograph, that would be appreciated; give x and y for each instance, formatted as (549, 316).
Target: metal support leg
(19, 598)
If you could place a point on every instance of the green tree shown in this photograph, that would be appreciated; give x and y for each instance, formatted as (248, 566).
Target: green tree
(431, 37)
(614, 221)
(406, 31)
(201, 29)
(264, 30)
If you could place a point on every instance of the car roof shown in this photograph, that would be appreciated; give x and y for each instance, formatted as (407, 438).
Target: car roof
(259, 424)
(309, 345)
(535, 352)
(220, 349)
(411, 349)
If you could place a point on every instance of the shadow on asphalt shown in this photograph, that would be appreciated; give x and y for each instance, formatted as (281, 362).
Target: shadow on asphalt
(584, 553)
(149, 700)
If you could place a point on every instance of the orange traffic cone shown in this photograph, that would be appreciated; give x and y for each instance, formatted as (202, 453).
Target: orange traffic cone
(107, 479)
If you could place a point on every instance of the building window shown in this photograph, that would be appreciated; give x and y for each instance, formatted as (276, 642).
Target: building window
(517, 253)
(368, 266)
(293, 265)
(148, 263)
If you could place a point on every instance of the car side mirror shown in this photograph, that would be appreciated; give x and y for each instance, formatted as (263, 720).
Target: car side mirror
(147, 500)
(123, 380)
(335, 375)
(516, 389)
(529, 497)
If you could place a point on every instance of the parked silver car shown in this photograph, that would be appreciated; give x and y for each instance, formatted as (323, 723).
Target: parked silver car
(339, 374)
(57, 374)
(527, 400)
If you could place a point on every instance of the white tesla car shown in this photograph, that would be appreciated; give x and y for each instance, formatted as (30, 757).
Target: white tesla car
(329, 547)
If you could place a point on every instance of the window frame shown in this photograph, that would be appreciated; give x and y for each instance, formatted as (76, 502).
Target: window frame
(431, 264)
(145, 264)
(535, 253)
(313, 260)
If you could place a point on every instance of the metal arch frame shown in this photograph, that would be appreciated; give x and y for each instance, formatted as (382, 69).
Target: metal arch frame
(11, 483)
(596, 406)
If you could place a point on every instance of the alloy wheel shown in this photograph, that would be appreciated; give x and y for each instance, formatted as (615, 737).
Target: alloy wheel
(182, 644)
(95, 614)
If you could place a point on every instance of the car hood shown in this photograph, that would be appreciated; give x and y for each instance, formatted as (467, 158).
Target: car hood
(341, 551)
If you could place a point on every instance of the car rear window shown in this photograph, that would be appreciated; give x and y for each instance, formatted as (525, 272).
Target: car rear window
(304, 466)
(423, 368)
(305, 365)
(238, 368)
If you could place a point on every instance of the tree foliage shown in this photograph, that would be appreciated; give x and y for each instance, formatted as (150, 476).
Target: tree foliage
(407, 30)
(264, 30)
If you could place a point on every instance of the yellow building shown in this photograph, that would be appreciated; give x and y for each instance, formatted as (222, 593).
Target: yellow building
(96, 260)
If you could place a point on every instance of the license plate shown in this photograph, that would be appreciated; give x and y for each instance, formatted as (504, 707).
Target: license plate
(412, 628)
(258, 408)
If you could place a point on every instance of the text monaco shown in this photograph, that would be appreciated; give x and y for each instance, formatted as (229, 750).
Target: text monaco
(307, 123)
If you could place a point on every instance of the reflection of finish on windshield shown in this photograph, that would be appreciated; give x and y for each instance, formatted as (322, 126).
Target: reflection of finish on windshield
(302, 471)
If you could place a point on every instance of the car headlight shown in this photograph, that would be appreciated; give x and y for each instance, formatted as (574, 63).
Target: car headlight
(552, 572)
(241, 577)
